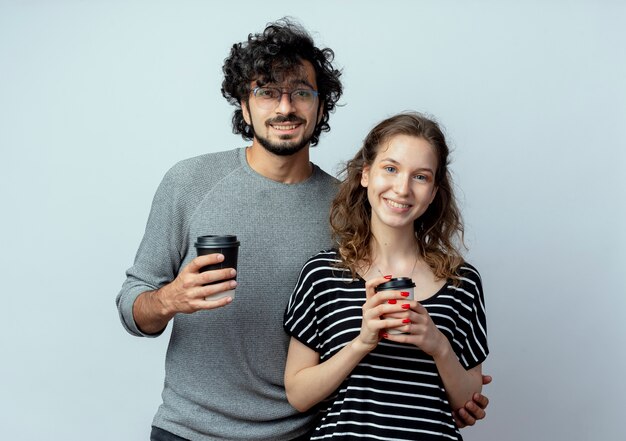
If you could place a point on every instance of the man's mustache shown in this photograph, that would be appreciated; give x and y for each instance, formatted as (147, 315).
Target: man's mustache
(284, 119)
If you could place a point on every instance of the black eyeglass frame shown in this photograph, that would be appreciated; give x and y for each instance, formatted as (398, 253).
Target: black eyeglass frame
(314, 92)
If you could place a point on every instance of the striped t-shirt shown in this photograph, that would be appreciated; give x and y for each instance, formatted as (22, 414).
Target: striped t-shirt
(395, 392)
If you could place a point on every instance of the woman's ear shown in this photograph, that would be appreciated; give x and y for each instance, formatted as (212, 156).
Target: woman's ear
(365, 175)
(432, 196)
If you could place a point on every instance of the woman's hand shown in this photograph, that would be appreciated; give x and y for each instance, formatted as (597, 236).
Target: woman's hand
(376, 305)
(307, 381)
(420, 330)
(460, 384)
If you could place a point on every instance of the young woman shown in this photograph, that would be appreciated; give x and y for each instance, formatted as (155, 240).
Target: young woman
(394, 216)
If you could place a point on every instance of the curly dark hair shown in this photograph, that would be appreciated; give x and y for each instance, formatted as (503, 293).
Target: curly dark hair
(439, 231)
(270, 55)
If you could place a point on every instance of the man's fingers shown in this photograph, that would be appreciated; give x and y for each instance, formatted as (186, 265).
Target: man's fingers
(201, 261)
(465, 418)
(210, 303)
(480, 400)
(217, 288)
(217, 275)
(457, 420)
(487, 379)
(474, 411)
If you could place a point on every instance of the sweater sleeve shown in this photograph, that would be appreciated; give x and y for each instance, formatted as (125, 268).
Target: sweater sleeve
(158, 258)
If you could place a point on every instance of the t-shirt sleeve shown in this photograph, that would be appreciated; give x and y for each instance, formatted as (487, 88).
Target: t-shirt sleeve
(475, 349)
(300, 320)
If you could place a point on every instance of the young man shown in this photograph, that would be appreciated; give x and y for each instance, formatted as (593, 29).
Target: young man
(225, 361)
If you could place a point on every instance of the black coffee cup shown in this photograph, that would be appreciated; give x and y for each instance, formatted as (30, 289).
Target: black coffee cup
(228, 245)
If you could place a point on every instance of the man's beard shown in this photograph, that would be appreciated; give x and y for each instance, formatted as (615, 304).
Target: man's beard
(287, 147)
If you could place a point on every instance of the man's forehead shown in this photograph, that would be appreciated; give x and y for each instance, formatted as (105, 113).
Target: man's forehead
(283, 82)
(295, 76)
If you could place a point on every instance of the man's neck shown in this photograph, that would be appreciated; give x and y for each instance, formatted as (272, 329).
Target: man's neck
(286, 169)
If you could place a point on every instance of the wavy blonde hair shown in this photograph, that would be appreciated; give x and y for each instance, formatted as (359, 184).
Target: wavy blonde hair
(439, 231)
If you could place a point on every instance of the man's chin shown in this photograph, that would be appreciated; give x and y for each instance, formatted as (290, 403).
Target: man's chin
(285, 148)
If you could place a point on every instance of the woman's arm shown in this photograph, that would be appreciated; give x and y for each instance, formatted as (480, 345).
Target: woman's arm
(307, 381)
(473, 410)
(460, 384)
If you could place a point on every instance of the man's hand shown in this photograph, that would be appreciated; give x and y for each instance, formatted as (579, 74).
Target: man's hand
(473, 410)
(189, 289)
(185, 294)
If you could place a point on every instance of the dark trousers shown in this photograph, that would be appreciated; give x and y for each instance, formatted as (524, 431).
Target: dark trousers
(163, 435)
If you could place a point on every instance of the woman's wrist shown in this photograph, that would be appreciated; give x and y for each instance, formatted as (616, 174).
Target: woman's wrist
(360, 347)
(442, 349)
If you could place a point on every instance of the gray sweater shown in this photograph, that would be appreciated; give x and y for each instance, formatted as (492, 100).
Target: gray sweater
(224, 368)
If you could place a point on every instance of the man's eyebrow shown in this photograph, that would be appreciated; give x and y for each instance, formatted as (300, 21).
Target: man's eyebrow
(302, 81)
(297, 82)
(291, 83)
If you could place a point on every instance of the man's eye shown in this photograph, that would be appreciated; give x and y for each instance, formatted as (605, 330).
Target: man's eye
(266, 93)
(302, 93)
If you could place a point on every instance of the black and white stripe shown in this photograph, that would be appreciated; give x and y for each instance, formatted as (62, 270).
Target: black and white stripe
(395, 392)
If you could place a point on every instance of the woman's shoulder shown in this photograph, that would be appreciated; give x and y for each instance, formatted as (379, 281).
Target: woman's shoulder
(469, 275)
(470, 279)
(329, 254)
(323, 267)
(323, 258)
(467, 269)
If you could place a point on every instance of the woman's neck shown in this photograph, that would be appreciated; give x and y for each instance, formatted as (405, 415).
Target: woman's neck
(393, 252)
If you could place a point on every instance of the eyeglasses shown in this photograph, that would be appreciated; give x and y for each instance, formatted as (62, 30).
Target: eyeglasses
(269, 97)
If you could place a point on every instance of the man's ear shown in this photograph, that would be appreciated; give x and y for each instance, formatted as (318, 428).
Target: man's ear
(320, 112)
(365, 176)
(246, 113)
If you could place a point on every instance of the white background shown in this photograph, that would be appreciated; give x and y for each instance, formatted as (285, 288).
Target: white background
(99, 98)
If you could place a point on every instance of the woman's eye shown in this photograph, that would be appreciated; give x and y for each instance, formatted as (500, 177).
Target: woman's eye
(421, 178)
(390, 169)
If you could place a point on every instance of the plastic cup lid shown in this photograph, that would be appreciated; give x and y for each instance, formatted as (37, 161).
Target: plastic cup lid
(396, 283)
(215, 241)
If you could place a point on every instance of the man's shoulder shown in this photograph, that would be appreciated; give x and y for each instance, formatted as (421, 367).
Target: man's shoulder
(203, 167)
(326, 185)
(211, 160)
(324, 176)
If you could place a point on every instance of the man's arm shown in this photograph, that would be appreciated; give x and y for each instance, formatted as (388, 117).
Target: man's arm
(474, 409)
(186, 294)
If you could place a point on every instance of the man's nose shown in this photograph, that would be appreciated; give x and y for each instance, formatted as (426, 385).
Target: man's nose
(285, 105)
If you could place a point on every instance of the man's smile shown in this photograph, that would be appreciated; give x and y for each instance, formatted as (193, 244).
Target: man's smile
(284, 126)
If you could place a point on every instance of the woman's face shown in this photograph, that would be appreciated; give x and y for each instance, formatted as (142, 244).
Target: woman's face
(401, 181)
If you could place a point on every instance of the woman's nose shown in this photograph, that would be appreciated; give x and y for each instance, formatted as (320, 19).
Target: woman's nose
(401, 186)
